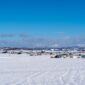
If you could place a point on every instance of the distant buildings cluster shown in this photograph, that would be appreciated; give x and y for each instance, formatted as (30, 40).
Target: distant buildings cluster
(54, 53)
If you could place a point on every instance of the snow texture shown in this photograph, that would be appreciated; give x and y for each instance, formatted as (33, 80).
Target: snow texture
(40, 70)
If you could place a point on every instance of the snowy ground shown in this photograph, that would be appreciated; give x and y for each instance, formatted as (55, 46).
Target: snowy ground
(40, 70)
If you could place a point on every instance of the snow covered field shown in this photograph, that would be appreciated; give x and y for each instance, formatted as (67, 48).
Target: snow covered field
(40, 70)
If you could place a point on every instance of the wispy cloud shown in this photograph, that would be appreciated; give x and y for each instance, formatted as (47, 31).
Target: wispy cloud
(7, 35)
(24, 40)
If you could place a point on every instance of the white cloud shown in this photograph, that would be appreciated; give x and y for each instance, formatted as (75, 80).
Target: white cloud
(26, 41)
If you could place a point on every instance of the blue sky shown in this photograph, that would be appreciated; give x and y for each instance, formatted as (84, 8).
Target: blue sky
(45, 19)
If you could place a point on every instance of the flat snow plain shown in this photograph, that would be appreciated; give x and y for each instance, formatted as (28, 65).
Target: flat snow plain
(40, 70)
